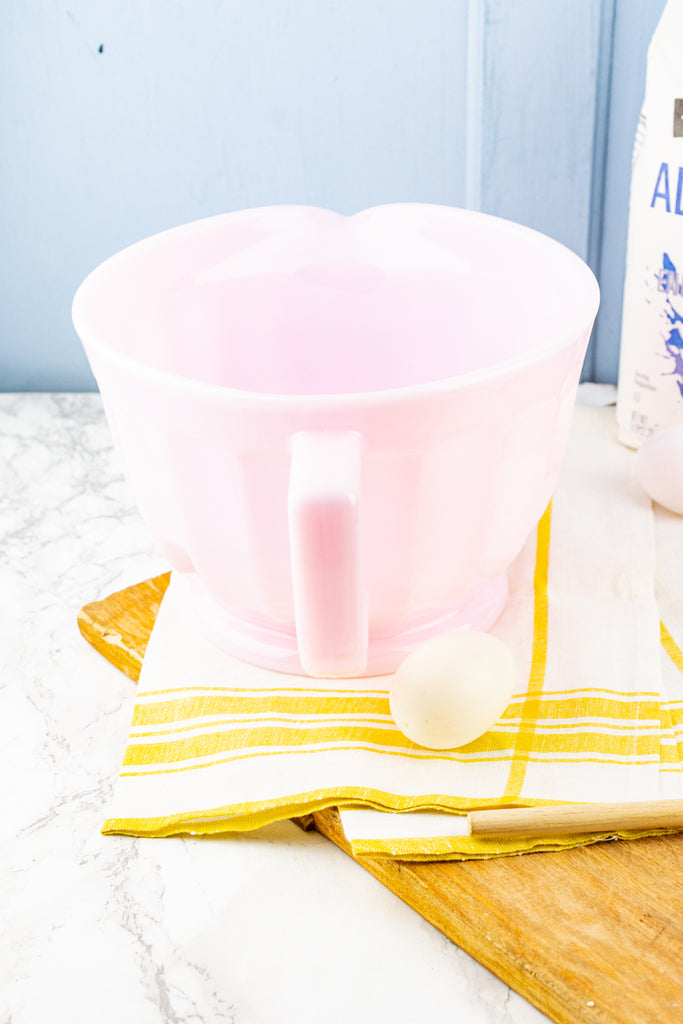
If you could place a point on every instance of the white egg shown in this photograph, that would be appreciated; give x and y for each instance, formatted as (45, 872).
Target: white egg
(659, 467)
(452, 689)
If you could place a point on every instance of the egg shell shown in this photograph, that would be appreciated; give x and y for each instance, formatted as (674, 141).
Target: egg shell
(659, 467)
(452, 689)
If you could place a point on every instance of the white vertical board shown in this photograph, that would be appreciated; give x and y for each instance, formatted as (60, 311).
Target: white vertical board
(119, 118)
(540, 68)
(634, 23)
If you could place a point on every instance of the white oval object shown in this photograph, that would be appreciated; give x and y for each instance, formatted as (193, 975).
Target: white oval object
(659, 467)
(452, 689)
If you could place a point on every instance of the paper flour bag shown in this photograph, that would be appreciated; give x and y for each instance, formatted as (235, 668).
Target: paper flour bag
(650, 394)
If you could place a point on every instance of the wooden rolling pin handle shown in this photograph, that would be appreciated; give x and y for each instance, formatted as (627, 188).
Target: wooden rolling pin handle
(508, 823)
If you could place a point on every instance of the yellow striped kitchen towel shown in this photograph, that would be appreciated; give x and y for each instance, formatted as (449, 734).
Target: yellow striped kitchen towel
(218, 745)
(592, 723)
(669, 593)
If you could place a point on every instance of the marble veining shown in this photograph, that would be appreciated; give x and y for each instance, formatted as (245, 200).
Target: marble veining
(274, 925)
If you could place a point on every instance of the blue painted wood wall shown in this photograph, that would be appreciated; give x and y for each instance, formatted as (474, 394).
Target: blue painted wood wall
(120, 118)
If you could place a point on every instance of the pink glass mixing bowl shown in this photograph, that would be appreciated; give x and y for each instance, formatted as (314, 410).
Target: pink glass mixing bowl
(341, 428)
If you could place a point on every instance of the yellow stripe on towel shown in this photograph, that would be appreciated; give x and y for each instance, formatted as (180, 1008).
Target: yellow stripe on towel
(539, 653)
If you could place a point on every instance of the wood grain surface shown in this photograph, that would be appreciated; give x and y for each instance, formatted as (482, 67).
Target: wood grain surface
(587, 935)
(119, 627)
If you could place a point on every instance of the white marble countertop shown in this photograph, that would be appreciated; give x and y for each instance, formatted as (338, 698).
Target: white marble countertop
(272, 926)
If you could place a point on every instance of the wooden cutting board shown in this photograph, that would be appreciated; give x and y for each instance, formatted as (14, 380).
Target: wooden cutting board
(586, 935)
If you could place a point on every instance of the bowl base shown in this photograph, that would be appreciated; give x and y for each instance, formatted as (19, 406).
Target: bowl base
(277, 650)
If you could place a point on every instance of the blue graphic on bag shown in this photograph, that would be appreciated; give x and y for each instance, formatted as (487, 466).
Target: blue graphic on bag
(670, 282)
(662, 190)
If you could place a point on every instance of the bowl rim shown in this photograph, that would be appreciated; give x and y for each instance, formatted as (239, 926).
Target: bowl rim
(93, 341)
